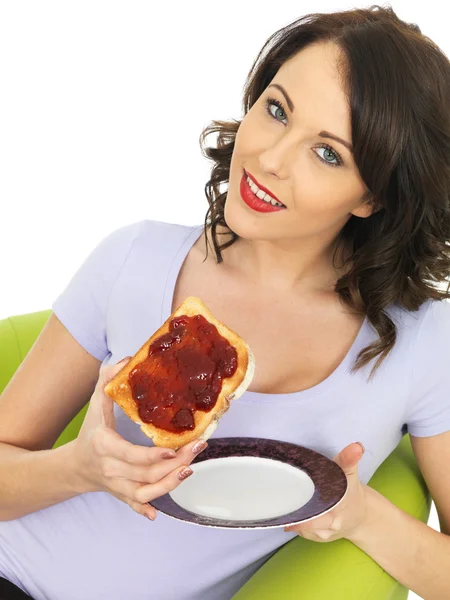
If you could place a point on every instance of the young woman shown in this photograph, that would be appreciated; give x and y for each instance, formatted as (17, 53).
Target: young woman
(333, 277)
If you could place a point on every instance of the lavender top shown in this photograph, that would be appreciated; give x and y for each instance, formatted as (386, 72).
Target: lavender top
(95, 546)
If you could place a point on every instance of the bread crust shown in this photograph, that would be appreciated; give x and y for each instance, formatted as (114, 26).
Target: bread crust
(205, 422)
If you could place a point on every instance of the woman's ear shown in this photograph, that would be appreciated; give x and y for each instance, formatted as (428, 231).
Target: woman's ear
(363, 211)
(366, 208)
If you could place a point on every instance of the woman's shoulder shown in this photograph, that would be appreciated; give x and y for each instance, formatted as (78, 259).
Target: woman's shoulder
(165, 241)
(430, 316)
(428, 313)
(428, 411)
(146, 239)
(424, 333)
(434, 328)
(152, 226)
(150, 230)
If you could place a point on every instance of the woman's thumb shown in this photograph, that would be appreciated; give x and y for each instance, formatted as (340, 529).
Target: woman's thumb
(105, 403)
(349, 457)
(108, 372)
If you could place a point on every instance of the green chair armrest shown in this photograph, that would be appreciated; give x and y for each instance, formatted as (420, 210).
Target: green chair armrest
(17, 335)
(339, 570)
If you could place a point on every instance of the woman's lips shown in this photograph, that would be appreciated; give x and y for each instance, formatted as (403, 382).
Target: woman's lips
(253, 201)
(261, 187)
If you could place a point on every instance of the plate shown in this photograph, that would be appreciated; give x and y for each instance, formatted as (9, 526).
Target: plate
(255, 483)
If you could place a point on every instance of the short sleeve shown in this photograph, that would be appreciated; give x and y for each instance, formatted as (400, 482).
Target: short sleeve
(82, 306)
(429, 404)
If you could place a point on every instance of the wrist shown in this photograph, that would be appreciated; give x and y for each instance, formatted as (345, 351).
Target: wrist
(369, 519)
(76, 480)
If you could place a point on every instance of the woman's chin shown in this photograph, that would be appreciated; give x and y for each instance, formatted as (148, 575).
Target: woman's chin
(236, 221)
(242, 223)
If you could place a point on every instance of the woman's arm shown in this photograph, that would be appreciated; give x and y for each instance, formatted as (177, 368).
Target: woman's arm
(412, 552)
(53, 382)
(34, 479)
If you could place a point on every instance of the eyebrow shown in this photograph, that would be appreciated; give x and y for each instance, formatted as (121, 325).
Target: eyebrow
(324, 134)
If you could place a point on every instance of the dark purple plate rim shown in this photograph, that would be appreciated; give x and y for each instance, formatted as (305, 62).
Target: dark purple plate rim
(330, 482)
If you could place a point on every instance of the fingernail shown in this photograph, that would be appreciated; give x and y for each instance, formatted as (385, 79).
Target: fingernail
(149, 516)
(199, 446)
(185, 473)
(362, 446)
(122, 359)
(168, 454)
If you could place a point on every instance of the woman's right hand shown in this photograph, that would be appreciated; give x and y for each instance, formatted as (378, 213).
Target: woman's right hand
(102, 460)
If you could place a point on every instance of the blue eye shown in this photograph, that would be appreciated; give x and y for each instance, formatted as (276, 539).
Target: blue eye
(328, 148)
(277, 103)
(280, 108)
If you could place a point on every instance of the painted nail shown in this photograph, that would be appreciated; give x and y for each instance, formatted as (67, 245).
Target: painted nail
(125, 358)
(199, 446)
(168, 454)
(185, 473)
(362, 446)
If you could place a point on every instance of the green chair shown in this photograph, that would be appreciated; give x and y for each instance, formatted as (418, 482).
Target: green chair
(300, 569)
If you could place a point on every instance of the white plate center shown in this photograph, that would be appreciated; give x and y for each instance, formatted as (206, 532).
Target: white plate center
(242, 488)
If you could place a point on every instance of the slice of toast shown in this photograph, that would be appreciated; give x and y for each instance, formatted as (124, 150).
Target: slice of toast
(205, 422)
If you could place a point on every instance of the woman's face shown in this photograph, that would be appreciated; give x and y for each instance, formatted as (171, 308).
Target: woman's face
(280, 145)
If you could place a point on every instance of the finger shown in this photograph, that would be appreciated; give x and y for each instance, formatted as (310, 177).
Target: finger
(143, 509)
(147, 493)
(111, 444)
(109, 371)
(101, 406)
(163, 462)
(107, 403)
(130, 488)
(324, 534)
(193, 449)
(114, 468)
(336, 525)
(349, 457)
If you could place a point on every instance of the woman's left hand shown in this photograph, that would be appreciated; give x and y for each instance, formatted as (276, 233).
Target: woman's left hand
(342, 521)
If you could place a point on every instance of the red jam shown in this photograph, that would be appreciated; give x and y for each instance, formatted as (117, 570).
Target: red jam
(183, 373)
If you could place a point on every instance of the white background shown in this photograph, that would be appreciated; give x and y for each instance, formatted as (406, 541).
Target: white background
(101, 108)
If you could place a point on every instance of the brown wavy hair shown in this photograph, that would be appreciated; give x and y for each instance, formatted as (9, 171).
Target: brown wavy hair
(398, 86)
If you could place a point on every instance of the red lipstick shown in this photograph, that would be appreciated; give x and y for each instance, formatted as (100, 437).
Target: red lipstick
(253, 201)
